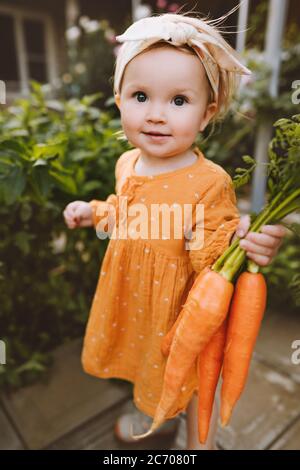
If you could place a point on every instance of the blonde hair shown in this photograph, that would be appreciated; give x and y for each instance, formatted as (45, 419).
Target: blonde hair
(228, 82)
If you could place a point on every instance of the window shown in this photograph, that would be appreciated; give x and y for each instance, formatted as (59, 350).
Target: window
(8, 59)
(29, 51)
(34, 33)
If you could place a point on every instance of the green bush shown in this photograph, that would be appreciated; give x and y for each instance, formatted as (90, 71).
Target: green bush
(91, 56)
(236, 135)
(51, 152)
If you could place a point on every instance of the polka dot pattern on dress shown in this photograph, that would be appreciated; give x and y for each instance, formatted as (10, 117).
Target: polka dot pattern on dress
(142, 282)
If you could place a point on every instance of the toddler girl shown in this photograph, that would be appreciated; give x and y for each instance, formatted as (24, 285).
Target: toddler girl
(174, 74)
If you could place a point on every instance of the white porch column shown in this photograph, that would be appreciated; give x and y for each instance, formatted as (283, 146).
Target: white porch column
(274, 34)
(242, 25)
(135, 5)
(72, 12)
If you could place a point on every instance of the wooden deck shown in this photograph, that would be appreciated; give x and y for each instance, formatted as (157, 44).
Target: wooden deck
(75, 411)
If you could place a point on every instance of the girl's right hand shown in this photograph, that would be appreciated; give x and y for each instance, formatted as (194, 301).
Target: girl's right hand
(78, 214)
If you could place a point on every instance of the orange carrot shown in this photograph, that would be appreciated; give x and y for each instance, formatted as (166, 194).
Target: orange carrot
(209, 367)
(167, 340)
(246, 312)
(206, 308)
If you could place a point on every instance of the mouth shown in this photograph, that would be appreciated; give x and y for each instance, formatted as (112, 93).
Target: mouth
(157, 134)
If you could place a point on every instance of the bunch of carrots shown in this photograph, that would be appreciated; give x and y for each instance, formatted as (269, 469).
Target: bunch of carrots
(220, 320)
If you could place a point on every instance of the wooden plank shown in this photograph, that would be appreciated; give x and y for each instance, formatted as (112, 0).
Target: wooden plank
(290, 440)
(99, 434)
(9, 439)
(269, 403)
(46, 411)
(274, 344)
(181, 437)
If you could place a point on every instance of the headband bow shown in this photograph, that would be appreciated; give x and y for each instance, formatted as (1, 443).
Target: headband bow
(214, 53)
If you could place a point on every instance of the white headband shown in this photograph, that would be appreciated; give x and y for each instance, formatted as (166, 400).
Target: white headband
(215, 53)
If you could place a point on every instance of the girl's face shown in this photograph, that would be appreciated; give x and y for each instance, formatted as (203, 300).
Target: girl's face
(164, 91)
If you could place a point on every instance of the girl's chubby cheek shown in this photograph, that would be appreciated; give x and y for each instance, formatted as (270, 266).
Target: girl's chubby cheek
(132, 119)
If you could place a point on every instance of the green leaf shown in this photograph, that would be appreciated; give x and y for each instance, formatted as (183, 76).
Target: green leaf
(32, 365)
(67, 183)
(19, 133)
(6, 162)
(294, 285)
(270, 185)
(13, 185)
(40, 162)
(248, 159)
(34, 123)
(41, 181)
(80, 155)
(47, 150)
(87, 100)
(12, 144)
(295, 228)
(55, 105)
(90, 186)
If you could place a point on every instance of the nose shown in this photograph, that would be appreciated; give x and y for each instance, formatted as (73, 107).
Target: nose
(156, 113)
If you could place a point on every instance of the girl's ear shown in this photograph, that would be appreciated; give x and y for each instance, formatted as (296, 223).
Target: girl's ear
(209, 113)
(117, 100)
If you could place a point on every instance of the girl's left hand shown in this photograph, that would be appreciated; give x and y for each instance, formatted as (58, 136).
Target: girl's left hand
(260, 247)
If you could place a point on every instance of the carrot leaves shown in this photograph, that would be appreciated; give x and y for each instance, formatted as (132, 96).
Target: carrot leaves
(283, 184)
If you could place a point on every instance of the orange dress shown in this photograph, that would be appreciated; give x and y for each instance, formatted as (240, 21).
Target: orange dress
(144, 282)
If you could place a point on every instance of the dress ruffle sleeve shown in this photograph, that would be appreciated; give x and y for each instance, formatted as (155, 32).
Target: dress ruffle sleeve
(108, 209)
(221, 217)
(104, 210)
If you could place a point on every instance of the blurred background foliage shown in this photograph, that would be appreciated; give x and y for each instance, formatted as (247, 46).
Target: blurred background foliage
(51, 152)
(61, 144)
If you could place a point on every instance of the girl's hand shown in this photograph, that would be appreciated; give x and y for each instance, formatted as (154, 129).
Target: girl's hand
(78, 214)
(260, 247)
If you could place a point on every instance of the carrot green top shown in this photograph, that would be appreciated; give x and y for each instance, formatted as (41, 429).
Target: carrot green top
(144, 280)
